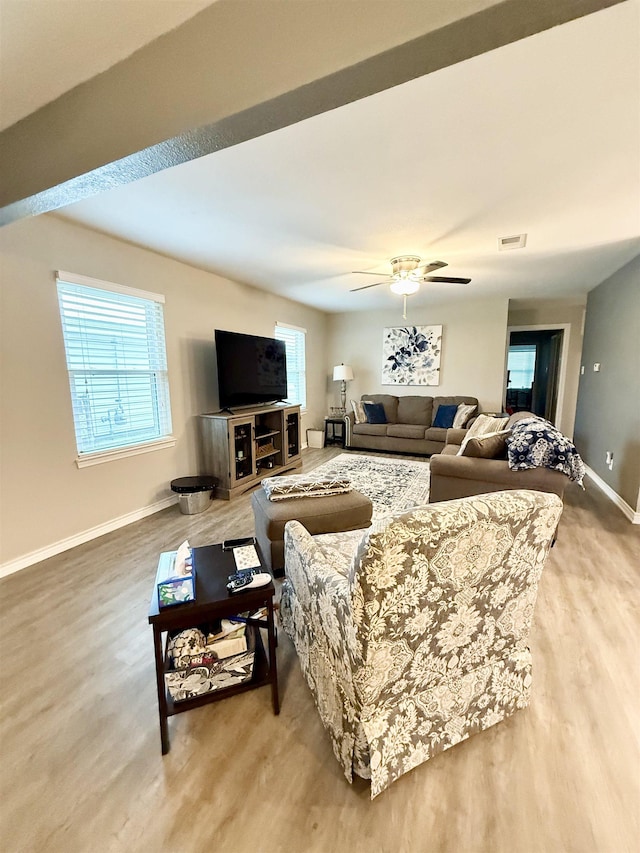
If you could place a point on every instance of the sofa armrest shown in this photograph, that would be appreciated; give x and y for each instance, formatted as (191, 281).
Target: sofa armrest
(349, 421)
(455, 436)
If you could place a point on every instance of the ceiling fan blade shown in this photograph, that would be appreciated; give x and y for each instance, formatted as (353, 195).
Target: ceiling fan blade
(364, 272)
(375, 284)
(431, 267)
(446, 279)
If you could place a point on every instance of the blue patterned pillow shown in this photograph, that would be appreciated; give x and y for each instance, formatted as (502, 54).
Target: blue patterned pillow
(444, 416)
(375, 413)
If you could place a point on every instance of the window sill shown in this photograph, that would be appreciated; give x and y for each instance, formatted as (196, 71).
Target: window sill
(88, 459)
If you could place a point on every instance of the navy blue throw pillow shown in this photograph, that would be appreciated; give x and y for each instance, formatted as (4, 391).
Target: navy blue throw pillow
(375, 413)
(445, 416)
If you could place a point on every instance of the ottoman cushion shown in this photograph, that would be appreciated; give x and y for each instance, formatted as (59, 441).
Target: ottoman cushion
(333, 514)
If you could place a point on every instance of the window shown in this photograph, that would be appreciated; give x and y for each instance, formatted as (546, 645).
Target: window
(294, 339)
(117, 363)
(521, 365)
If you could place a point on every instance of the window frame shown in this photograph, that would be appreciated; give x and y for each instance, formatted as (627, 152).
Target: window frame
(300, 384)
(161, 399)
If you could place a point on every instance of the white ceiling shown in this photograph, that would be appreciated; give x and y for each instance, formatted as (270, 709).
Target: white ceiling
(49, 46)
(541, 136)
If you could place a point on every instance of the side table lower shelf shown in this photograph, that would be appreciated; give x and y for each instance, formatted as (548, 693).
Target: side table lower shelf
(259, 678)
(213, 601)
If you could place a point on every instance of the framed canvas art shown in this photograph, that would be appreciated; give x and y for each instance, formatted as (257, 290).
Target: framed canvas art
(411, 355)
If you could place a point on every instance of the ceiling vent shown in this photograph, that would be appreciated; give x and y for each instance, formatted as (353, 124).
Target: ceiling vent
(519, 241)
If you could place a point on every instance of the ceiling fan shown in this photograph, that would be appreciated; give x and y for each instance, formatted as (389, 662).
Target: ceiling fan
(408, 272)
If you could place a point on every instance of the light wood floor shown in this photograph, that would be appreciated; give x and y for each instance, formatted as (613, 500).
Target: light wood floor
(81, 768)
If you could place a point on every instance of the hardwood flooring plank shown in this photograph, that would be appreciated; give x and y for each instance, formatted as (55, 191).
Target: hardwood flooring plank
(80, 745)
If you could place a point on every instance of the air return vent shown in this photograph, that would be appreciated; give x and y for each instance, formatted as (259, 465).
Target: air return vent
(518, 241)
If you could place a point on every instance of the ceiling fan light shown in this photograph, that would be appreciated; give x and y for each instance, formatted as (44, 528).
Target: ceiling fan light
(405, 287)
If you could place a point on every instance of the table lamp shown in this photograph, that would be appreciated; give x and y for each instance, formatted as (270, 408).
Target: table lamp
(343, 373)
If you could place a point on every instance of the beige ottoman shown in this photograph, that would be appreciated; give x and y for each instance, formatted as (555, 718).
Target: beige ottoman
(333, 514)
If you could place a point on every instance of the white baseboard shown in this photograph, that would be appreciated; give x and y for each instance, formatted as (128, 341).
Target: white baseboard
(631, 514)
(85, 536)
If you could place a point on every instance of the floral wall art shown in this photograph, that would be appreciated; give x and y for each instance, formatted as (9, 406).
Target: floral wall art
(411, 355)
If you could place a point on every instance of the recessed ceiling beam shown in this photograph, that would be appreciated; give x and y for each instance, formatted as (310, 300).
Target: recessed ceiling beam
(239, 70)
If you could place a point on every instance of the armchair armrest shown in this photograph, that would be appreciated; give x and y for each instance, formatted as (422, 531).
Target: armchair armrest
(317, 585)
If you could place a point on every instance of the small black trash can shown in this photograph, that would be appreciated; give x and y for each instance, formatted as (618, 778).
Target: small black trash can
(193, 493)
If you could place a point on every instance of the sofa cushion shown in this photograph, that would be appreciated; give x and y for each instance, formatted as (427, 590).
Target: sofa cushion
(349, 511)
(415, 410)
(493, 445)
(445, 416)
(375, 413)
(406, 431)
(370, 429)
(389, 402)
(436, 434)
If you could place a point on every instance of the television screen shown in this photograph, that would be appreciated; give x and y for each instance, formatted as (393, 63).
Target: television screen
(251, 369)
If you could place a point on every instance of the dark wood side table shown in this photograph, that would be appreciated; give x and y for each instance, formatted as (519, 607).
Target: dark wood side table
(334, 431)
(214, 601)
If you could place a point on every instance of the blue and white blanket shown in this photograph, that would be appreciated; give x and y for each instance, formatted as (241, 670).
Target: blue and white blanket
(536, 443)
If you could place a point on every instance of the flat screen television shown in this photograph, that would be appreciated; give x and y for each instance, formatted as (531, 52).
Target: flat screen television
(251, 369)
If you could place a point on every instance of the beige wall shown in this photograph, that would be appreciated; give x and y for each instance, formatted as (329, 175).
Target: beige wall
(473, 349)
(547, 313)
(44, 497)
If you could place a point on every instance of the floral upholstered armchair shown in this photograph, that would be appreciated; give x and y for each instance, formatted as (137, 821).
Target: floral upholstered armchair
(413, 635)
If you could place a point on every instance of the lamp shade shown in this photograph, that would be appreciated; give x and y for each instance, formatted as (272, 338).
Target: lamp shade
(342, 372)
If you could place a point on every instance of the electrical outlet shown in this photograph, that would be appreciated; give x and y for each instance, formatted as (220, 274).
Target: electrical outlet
(596, 367)
(609, 460)
(582, 370)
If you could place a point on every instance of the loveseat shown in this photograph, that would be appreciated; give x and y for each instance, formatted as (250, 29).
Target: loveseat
(409, 427)
(415, 636)
(454, 476)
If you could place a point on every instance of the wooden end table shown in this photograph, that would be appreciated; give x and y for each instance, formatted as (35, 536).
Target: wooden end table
(214, 601)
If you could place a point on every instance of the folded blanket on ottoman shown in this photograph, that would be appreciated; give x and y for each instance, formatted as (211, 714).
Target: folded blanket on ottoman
(296, 486)
(536, 443)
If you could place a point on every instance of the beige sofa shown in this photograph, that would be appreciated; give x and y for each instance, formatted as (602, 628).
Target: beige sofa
(454, 476)
(409, 425)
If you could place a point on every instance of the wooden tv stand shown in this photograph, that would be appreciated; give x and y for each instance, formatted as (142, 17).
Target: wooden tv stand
(242, 448)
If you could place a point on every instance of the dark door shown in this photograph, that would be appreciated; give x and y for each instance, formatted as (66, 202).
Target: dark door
(533, 371)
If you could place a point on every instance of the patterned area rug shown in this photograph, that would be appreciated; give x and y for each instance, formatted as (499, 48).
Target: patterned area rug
(394, 485)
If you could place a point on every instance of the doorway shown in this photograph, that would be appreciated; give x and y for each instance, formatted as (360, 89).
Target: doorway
(533, 372)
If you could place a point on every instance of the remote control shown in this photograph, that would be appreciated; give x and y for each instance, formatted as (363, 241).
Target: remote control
(256, 580)
(228, 544)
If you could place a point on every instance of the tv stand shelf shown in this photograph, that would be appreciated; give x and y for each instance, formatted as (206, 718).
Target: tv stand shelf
(240, 448)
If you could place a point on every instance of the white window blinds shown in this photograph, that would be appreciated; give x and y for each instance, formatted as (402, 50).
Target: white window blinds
(116, 358)
(294, 340)
(521, 365)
